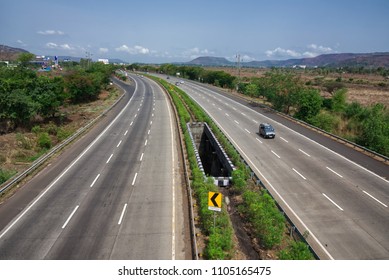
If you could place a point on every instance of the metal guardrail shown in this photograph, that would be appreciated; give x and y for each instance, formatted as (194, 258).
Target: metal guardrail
(37, 163)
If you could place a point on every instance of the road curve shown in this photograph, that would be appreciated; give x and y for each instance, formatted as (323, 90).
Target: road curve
(342, 204)
(117, 198)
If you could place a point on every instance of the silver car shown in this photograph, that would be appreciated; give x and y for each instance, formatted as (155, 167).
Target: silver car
(266, 130)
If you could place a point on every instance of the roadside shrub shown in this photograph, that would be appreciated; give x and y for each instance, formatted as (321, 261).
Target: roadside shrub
(238, 180)
(62, 133)
(5, 175)
(44, 140)
(266, 219)
(36, 129)
(23, 141)
(297, 250)
(325, 121)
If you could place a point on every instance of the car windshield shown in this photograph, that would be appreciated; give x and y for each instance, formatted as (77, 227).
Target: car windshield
(269, 128)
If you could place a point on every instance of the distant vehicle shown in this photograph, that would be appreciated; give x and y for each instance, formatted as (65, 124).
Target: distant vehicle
(168, 77)
(266, 130)
(177, 83)
(181, 82)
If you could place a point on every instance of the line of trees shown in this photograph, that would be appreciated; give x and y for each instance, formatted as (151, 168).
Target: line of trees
(26, 95)
(217, 78)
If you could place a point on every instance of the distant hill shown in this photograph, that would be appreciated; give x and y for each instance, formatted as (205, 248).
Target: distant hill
(373, 60)
(9, 53)
(210, 61)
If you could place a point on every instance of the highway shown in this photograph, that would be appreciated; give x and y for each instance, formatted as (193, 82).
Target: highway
(342, 204)
(112, 195)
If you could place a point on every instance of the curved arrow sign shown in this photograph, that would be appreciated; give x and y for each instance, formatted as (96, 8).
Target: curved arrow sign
(214, 201)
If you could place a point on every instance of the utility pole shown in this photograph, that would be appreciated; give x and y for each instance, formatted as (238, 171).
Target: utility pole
(238, 66)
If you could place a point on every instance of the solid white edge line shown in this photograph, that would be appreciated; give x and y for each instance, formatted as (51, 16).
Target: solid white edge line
(173, 188)
(122, 215)
(119, 144)
(71, 215)
(94, 181)
(299, 174)
(109, 158)
(333, 202)
(375, 199)
(141, 157)
(311, 234)
(133, 181)
(334, 172)
(71, 165)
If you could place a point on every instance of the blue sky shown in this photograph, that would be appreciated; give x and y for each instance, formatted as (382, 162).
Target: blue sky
(178, 31)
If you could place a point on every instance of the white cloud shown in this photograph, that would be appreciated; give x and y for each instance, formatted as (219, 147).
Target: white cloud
(196, 52)
(133, 50)
(315, 50)
(280, 52)
(21, 43)
(312, 50)
(51, 32)
(51, 45)
(103, 50)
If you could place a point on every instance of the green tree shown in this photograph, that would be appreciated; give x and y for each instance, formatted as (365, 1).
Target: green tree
(332, 86)
(49, 95)
(338, 103)
(20, 107)
(375, 129)
(252, 90)
(309, 104)
(25, 58)
(81, 87)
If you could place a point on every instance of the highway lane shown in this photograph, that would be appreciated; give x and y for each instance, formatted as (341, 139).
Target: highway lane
(115, 200)
(342, 204)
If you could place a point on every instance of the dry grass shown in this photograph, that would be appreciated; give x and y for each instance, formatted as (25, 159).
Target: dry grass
(362, 88)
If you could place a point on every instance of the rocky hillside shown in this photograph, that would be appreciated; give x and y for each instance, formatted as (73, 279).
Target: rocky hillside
(9, 53)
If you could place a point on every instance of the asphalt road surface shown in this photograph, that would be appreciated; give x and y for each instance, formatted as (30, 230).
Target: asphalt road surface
(114, 194)
(341, 203)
